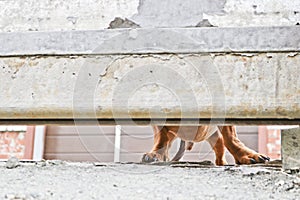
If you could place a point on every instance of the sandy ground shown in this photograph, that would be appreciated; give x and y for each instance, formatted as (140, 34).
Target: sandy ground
(67, 180)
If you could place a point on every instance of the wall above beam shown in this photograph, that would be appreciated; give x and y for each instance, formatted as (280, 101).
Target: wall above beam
(57, 15)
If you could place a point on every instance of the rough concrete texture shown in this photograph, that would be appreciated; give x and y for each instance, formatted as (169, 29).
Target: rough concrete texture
(264, 85)
(64, 180)
(176, 13)
(290, 141)
(257, 13)
(147, 41)
(30, 15)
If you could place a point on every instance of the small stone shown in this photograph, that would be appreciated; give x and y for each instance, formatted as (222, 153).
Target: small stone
(289, 187)
(35, 196)
(122, 23)
(42, 163)
(9, 196)
(20, 196)
(279, 183)
(12, 162)
(225, 187)
(55, 162)
(297, 181)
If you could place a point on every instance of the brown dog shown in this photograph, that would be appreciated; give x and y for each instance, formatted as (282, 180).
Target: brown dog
(218, 137)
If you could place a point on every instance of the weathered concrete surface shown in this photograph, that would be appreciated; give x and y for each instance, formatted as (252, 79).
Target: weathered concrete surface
(31, 15)
(171, 40)
(92, 86)
(257, 13)
(290, 148)
(264, 85)
(176, 13)
(60, 180)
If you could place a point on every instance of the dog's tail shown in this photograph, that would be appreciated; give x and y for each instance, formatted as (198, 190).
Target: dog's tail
(181, 150)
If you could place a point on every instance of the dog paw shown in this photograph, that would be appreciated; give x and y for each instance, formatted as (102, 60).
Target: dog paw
(221, 162)
(151, 157)
(252, 158)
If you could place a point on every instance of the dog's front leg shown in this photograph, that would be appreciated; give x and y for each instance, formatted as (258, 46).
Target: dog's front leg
(163, 139)
(241, 153)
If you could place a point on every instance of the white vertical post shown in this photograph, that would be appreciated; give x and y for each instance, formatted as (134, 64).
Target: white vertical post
(118, 131)
(39, 143)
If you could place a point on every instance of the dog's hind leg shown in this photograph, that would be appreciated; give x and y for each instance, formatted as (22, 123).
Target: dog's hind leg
(216, 142)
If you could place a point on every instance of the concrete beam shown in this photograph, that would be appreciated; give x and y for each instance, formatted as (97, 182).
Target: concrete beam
(142, 41)
(174, 86)
(290, 149)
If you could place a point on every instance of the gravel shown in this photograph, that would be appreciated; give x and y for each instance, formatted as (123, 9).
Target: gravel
(73, 180)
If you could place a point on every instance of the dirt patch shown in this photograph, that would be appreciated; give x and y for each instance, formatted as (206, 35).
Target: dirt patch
(181, 180)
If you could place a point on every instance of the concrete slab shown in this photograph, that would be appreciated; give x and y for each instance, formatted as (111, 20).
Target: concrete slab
(48, 180)
(159, 40)
(218, 86)
(290, 148)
